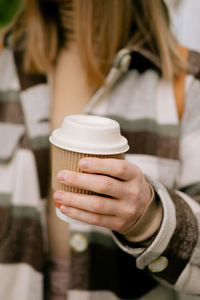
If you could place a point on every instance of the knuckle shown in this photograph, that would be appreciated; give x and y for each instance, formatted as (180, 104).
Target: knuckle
(73, 200)
(129, 212)
(130, 191)
(76, 214)
(97, 206)
(72, 178)
(67, 199)
(105, 185)
(133, 192)
(99, 162)
(139, 173)
(96, 219)
(122, 168)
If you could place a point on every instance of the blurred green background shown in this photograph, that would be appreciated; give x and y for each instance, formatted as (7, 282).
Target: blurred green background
(8, 10)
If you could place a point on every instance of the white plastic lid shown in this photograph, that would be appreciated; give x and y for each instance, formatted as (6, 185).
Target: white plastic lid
(89, 134)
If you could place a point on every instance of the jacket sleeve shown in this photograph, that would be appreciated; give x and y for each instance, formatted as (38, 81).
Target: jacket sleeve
(173, 255)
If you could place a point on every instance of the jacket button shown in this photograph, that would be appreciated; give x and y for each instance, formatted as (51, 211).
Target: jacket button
(78, 242)
(158, 265)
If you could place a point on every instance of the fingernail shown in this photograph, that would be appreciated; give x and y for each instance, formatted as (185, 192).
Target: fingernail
(62, 175)
(58, 196)
(64, 209)
(85, 163)
(58, 205)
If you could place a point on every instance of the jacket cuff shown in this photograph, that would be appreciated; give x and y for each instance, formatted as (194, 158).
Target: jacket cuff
(161, 240)
(172, 247)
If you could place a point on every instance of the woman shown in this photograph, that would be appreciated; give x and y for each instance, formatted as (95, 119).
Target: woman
(151, 234)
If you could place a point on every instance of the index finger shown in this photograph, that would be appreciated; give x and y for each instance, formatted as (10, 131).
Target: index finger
(117, 168)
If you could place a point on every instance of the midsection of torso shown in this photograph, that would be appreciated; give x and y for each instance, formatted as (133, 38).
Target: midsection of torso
(70, 94)
(70, 89)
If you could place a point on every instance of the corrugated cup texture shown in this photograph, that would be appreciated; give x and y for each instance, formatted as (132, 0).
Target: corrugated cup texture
(68, 160)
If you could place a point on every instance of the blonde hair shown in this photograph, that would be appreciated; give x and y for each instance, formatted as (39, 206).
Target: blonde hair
(13, 33)
(101, 28)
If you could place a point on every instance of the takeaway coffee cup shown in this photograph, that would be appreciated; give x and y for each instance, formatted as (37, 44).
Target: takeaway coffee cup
(83, 136)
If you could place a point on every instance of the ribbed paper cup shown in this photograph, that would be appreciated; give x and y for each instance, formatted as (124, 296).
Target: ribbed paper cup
(83, 136)
(68, 160)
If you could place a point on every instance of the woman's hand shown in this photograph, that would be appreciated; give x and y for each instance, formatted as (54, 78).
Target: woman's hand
(128, 191)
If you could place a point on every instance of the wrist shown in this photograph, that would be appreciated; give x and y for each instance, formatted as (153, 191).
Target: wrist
(148, 223)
